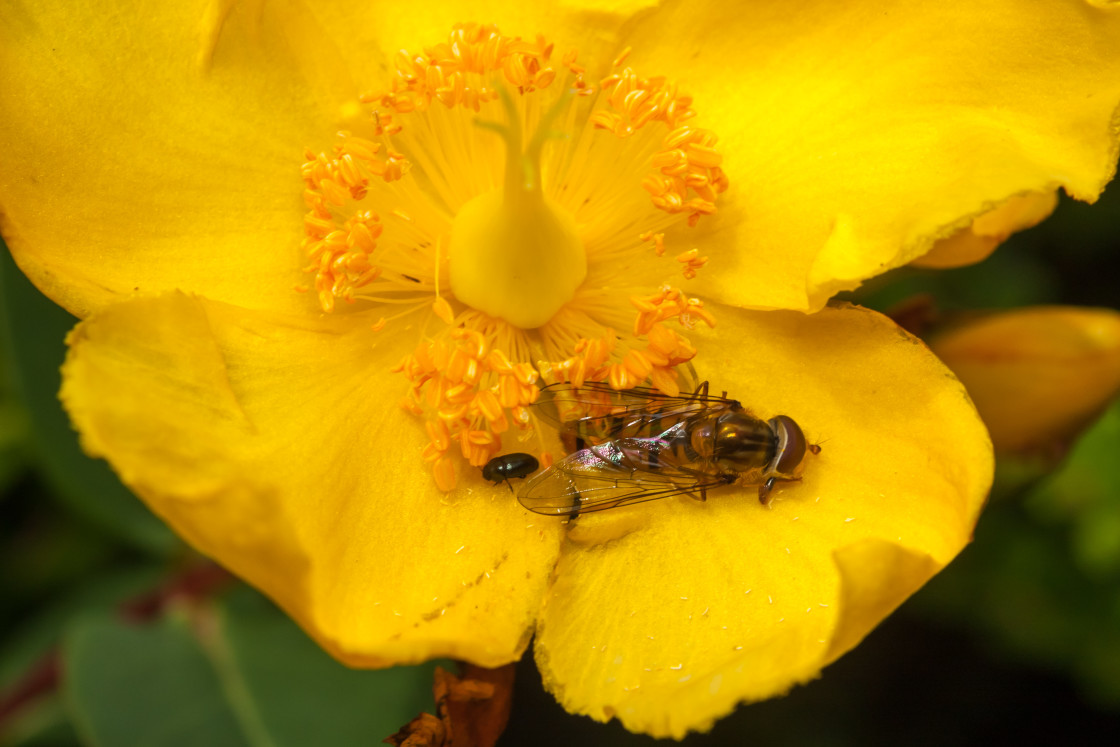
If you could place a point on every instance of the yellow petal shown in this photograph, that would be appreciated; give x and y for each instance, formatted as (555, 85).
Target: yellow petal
(159, 147)
(692, 607)
(856, 135)
(1037, 375)
(977, 241)
(368, 34)
(276, 446)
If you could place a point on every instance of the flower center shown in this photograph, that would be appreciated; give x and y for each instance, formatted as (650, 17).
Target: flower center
(520, 216)
(515, 254)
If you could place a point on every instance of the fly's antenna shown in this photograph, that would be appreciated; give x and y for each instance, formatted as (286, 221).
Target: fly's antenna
(816, 448)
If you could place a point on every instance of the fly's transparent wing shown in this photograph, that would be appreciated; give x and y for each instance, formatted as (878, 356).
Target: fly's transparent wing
(614, 474)
(641, 412)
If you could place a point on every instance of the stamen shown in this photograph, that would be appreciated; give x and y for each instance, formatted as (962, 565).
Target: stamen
(692, 262)
(470, 386)
(687, 161)
(487, 194)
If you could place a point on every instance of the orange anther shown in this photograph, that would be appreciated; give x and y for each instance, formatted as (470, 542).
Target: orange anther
(544, 80)
(442, 309)
(618, 377)
(508, 392)
(437, 431)
(501, 425)
(456, 366)
(529, 394)
(664, 380)
(579, 373)
(440, 353)
(655, 357)
(459, 394)
(434, 392)
(637, 364)
(444, 473)
(470, 376)
(678, 137)
(700, 155)
(662, 338)
(525, 373)
(498, 361)
(482, 438)
(489, 405)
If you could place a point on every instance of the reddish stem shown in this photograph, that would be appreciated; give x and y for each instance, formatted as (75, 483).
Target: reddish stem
(42, 678)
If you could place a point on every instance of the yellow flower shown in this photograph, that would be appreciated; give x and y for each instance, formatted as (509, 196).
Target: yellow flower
(155, 189)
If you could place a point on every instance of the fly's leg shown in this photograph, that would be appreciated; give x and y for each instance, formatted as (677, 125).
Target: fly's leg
(765, 488)
(764, 491)
(692, 493)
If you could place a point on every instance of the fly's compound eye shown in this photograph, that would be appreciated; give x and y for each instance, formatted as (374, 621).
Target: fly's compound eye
(791, 446)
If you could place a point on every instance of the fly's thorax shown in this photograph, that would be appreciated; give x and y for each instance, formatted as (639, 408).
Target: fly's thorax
(736, 442)
(702, 439)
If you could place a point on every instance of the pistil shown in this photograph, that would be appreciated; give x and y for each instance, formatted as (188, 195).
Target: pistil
(514, 253)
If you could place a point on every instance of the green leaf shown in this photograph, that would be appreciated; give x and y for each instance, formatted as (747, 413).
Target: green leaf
(146, 685)
(1042, 579)
(14, 436)
(237, 673)
(1085, 493)
(305, 697)
(43, 723)
(33, 330)
(42, 631)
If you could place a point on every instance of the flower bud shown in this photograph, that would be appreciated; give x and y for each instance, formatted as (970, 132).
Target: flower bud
(1037, 375)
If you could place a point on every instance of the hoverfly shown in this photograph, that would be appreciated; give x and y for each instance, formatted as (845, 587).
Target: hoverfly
(651, 445)
(508, 466)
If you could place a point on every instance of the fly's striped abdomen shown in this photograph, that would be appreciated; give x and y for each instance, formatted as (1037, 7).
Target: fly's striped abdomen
(626, 425)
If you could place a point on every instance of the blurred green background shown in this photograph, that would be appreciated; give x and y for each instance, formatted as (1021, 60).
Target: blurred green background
(113, 633)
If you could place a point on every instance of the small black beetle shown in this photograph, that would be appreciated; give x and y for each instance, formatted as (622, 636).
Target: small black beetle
(507, 466)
